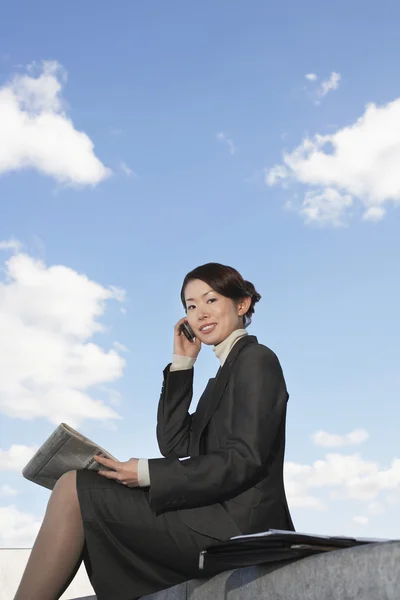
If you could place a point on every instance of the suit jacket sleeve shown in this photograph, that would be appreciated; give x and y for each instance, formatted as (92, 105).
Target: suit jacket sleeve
(173, 418)
(257, 399)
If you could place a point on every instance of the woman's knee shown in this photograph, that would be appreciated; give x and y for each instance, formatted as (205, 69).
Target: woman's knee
(66, 486)
(67, 480)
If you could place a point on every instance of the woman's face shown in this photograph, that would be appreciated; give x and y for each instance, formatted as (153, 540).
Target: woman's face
(212, 316)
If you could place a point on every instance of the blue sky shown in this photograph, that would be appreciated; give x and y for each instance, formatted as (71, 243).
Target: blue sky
(206, 122)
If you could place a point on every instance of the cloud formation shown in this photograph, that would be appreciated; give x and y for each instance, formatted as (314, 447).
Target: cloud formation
(16, 457)
(222, 137)
(331, 440)
(7, 490)
(17, 529)
(36, 132)
(127, 170)
(50, 367)
(368, 486)
(329, 85)
(11, 244)
(343, 476)
(360, 161)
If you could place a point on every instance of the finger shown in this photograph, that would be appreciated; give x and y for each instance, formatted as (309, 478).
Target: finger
(109, 475)
(178, 325)
(107, 462)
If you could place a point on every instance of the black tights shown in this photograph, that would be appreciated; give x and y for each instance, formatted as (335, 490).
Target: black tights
(57, 552)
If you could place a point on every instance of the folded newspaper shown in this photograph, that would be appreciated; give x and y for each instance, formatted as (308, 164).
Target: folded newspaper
(272, 546)
(65, 450)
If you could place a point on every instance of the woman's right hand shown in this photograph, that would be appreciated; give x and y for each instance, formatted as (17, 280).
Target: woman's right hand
(182, 345)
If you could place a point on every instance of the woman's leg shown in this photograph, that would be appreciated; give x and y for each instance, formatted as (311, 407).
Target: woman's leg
(56, 554)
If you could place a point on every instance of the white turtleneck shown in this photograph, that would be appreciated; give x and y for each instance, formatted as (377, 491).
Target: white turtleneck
(181, 363)
(223, 348)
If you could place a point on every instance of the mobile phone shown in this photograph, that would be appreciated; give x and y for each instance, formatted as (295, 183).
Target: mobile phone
(188, 332)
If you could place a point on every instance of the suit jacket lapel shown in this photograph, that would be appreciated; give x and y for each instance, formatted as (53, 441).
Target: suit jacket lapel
(210, 399)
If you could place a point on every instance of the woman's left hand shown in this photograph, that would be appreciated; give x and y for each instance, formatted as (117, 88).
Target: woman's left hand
(122, 472)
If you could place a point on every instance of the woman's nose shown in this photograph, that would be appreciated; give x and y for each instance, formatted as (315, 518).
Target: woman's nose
(202, 314)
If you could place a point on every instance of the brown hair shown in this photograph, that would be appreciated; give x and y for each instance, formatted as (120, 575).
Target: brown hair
(226, 281)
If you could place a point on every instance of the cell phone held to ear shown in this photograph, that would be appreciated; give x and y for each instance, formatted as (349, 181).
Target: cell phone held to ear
(188, 332)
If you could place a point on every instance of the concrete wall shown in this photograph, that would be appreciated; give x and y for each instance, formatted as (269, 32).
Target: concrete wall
(369, 572)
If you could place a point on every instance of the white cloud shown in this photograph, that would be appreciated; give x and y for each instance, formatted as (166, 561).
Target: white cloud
(298, 492)
(17, 529)
(16, 457)
(222, 137)
(374, 213)
(360, 520)
(50, 366)
(7, 490)
(120, 347)
(276, 174)
(329, 440)
(127, 170)
(325, 207)
(360, 161)
(36, 132)
(329, 85)
(312, 502)
(358, 436)
(10, 244)
(343, 477)
(369, 486)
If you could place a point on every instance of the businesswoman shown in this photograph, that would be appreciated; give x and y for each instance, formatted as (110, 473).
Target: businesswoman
(140, 525)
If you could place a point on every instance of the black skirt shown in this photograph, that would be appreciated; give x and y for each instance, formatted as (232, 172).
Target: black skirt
(129, 551)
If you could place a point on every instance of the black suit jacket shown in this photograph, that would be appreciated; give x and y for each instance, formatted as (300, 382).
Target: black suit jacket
(232, 482)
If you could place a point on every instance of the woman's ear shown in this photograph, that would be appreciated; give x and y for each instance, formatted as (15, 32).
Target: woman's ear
(244, 306)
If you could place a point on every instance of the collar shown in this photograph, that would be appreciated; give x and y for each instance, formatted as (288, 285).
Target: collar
(223, 348)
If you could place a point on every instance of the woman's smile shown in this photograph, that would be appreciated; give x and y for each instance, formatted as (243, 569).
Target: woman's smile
(208, 328)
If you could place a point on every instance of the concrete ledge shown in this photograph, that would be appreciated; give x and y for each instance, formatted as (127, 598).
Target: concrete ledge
(370, 572)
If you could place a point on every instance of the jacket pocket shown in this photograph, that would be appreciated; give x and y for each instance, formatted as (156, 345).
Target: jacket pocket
(213, 521)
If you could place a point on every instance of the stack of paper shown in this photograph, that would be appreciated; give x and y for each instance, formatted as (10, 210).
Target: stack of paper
(272, 546)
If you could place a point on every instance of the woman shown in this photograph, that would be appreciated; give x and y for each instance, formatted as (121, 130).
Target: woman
(141, 524)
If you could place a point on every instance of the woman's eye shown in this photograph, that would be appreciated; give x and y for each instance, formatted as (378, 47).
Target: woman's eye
(209, 300)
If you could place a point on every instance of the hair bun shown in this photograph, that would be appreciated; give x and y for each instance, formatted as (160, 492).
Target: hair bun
(252, 292)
